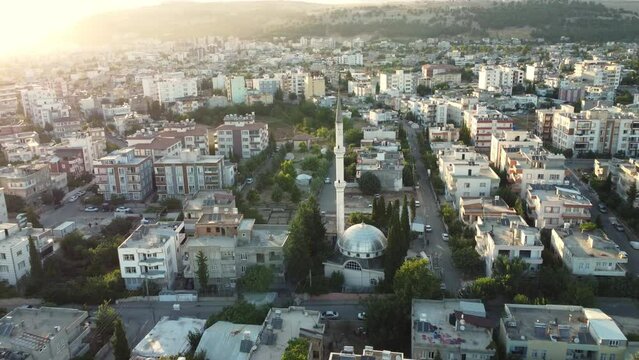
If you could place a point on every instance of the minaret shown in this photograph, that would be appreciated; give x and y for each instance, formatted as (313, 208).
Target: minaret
(340, 184)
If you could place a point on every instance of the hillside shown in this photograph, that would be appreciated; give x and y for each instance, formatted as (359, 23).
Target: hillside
(549, 19)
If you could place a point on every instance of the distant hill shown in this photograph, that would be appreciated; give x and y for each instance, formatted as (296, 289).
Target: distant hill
(549, 19)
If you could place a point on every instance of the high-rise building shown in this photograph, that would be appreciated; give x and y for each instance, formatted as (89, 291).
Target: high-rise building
(121, 173)
(241, 136)
(236, 89)
(314, 86)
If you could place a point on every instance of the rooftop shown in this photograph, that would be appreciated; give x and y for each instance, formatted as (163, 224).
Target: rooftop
(210, 199)
(451, 322)
(31, 328)
(508, 230)
(564, 193)
(269, 235)
(150, 236)
(229, 341)
(367, 354)
(168, 337)
(282, 325)
(226, 216)
(589, 244)
(555, 323)
(485, 205)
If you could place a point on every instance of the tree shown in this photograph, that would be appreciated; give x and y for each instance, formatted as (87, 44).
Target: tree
(33, 217)
(587, 226)
(120, 344)
(241, 312)
(358, 218)
(257, 278)
(509, 273)
(297, 349)
(14, 203)
(387, 322)
(353, 137)
(413, 208)
(405, 224)
(276, 194)
(413, 280)
(369, 184)
(423, 90)
(172, 203)
(632, 194)
(104, 320)
(36, 262)
(464, 135)
(306, 247)
(202, 271)
(253, 196)
(278, 96)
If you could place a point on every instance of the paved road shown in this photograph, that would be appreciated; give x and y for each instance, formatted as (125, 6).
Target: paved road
(430, 212)
(622, 239)
(327, 193)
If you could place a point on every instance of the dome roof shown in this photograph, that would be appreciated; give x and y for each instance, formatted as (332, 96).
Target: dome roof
(362, 240)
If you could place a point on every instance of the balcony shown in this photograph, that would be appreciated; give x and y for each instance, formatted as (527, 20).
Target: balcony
(153, 274)
(151, 261)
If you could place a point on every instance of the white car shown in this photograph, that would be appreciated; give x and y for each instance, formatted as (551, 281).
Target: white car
(91, 209)
(249, 180)
(418, 203)
(327, 180)
(428, 228)
(81, 193)
(73, 198)
(329, 315)
(361, 316)
(445, 236)
(123, 209)
(634, 245)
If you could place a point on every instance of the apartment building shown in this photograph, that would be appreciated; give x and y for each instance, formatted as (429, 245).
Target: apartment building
(552, 206)
(4, 215)
(456, 329)
(447, 133)
(241, 136)
(44, 333)
(599, 73)
(386, 164)
(401, 81)
(69, 160)
(293, 83)
(92, 142)
(588, 253)
(431, 111)
(534, 166)
(458, 107)
(8, 98)
(600, 130)
(66, 125)
(379, 133)
(158, 148)
(500, 78)
(433, 74)
(560, 332)
(121, 173)
(205, 202)
(535, 72)
(378, 117)
(191, 135)
(110, 111)
(483, 123)
(189, 172)
(169, 87)
(487, 208)
(26, 181)
(20, 146)
(503, 142)
(233, 244)
(42, 106)
(355, 59)
(314, 86)
(236, 89)
(14, 249)
(627, 177)
(508, 236)
(348, 353)
(152, 253)
(266, 86)
(466, 173)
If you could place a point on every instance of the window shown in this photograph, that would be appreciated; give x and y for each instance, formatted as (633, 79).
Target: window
(128, 257)
(614, 342)
(19, 253)
(21, 265)
(612, 357)
(352, 265)
(3, 256)
(4, 269)
(243, 268)
(482, 184)
(243, 256)
(130, 270)
(603, 357)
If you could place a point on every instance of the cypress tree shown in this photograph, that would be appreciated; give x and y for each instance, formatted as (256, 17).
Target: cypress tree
(119, 342)
(35, 261)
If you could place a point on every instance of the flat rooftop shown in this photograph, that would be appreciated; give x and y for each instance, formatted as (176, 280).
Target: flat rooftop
(367, 354)
(225, 340)
(149, 236)
(31, 328)
(589, 244)
(168, 337)
(269, 235)
(220, 241)
(567, 194)
(226, 216)
(559, 323)
(284, 324)
(502, 230)
(439, 322)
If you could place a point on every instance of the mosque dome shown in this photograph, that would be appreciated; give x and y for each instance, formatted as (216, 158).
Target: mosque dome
(362, 241)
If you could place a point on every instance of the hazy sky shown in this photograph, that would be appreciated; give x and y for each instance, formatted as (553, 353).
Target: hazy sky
(24, 22)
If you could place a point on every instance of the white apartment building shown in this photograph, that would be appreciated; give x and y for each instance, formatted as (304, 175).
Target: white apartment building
(446, 134)
(241, 136)
(599, 73)
(27, 181)
(8, 98)
(190, 172)
(588, 253)
(560, 332)
(434, 74)
(110, 111)
(168, 87)
(386, 164)
(535, 72)
(466, 173)
(401, 81)
(458, 107)
(499, 78)
(600, 130)
(14, 249)
(378, 117)
(553, 206)
(379, 133)
(151, 253)
(355, 59)
(314, 86)
(121, 173)
(293, 83)
(483, 123)
(431, 111)
(456, 329)
(4, 215)
(42, 106)
(44, 333)
(627, 176)
(508, 236)
(236, 91)
(534, 166)
(503, 142)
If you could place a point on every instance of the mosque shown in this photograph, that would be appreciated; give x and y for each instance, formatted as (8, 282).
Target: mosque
(361, 246)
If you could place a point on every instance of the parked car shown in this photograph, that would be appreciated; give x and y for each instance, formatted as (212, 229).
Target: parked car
(445, 236)
(81, 193)
(123, 209)
(361, 316)
(73, 198)
(249, 180)
(603, 209)
(377, 196)
(327, 180)
(428, 228)
(418, 203)
(329, 315)
(619, 227)
(91, 209)
(634, 245)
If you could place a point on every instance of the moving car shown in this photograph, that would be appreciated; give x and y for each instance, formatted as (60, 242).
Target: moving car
(91, 209)
(327, 180)
(249, 180)
(361, 316)
(445, 236)
(417, 203)
(428, 228)
(619, 227)
(634, 245)
(329, 315)
(602, 208)
(123, 209)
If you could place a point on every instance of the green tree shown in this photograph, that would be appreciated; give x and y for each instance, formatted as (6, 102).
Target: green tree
(413, 280)
(36, 262)
(202, 271)
(358, 218)
(105, 319)
(172, 203)
(257, 278)
(405, 224)
(464, 135)
(587, 226)
(295, 194)
(297, 349)
(413, 208)
(387, 322)
(276, 194)
(253, 196)
(353, 137)
(423, 90)
(369, 184)
(306, 247)
(33, 217)
(241, 312)
(120, 344)
(632, 194)
(509, 273)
